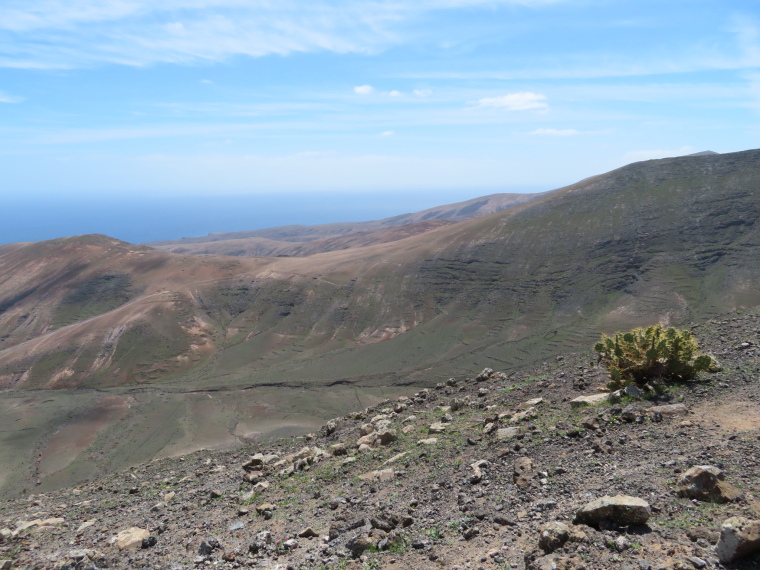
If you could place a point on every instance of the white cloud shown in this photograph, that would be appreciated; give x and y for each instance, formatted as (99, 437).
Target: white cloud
(387, 134)
(555, 132)
(364, 89)
(523, 101)
(206, 81)
(5, 98)
(422, 92)
(395, 93)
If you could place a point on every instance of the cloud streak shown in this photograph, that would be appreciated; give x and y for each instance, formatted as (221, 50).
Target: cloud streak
(83, 33)
(556, 132)
(523, 101)
(6, 98)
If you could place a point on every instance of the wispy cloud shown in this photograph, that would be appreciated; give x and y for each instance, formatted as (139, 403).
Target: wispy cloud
(387, 134)
(523, 101)
(555, 132)
(6, 98)
(77, 33)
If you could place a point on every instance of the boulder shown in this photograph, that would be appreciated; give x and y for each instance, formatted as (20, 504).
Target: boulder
(437, 428)
(670, 410)
(620, 509)
(428, 441)
(553, 535)
(486, 374)
(366, 440)
(523, 472)
(739, 536)
(530, 403)
(591, 400)
(528, 414)
(507, 433)
(706, 483)
(387, 436)
(130, 538)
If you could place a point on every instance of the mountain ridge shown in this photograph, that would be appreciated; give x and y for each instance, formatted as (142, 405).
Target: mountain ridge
(299, 240)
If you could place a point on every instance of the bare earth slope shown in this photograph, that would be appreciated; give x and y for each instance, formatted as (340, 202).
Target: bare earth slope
(308, 240)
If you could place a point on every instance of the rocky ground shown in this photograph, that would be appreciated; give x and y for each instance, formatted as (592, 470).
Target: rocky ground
(481, 473)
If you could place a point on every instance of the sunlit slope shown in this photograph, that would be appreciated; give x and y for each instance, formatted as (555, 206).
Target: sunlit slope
(94, 309)
(672, 240)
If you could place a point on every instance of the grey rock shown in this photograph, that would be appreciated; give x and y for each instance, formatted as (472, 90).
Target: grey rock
(739, 536)
(553, 535)
(621, 509)
(670, 409)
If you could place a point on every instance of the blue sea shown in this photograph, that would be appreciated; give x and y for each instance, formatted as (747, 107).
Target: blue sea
(141, 218)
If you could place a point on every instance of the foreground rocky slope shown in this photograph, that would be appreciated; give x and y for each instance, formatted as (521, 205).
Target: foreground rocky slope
(485, 472)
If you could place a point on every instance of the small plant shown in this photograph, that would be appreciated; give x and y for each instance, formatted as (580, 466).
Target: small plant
(641, 355)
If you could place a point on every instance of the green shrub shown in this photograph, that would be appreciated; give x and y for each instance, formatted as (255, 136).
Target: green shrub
(641, 355)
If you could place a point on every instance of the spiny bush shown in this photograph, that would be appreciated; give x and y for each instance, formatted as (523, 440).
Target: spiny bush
(642, 355)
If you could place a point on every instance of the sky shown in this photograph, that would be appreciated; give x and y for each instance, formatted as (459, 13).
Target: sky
(408, 103)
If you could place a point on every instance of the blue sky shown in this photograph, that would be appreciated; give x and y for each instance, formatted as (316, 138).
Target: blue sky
(136, 98)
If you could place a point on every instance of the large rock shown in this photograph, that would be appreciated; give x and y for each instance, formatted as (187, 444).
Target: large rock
(530, 403)
(130, 538)
(739, 537)
(523, 472)
(582, 401)
(387, 436)
(620, 509)
(670, 410)
(707, 483)
(507, 433)
(553, 535)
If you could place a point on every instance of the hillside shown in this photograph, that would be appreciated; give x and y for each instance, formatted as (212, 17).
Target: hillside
(267, 247)
(210, 350)
(300, 241)
(488, 471)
